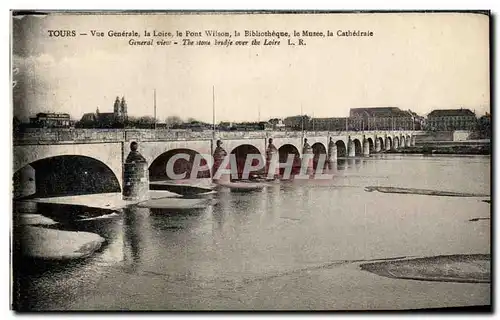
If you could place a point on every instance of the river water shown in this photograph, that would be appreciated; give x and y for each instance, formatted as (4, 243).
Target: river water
(294, 245)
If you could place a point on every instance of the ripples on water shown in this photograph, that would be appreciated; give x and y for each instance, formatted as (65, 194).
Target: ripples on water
(289, 226)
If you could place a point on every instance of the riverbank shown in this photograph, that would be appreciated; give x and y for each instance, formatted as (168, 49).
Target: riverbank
(469, 268)
(446, 149)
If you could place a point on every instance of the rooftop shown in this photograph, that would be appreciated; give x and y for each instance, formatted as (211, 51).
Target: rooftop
(52, 115)
(451, 112)
(379, 111)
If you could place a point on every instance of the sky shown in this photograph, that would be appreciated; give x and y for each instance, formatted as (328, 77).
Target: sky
(414, 61)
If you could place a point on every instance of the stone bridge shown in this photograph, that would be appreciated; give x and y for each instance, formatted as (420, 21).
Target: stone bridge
(53, 159)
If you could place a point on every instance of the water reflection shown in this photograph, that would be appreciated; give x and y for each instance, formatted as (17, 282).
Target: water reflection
(341, 164)
(288, 225)
(331, 167)
(350, 163)
(136, 233)
(273, 202)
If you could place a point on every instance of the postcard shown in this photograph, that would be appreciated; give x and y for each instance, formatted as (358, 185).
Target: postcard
(251, 161)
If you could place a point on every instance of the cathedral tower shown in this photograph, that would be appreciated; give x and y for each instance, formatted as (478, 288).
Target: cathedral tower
(123, 108)
(116, 107)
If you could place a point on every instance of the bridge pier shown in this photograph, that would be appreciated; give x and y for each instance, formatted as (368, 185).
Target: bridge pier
(307, 158)
(366, 148)
(220, 156)
(413, 140)
(272, 161)
(395, 143)
(388, 144)
(135, 176)
(378, 147)
(351, 148)
(332, 151)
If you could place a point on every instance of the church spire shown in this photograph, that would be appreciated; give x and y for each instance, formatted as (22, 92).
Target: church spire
(123, 106)
(116, 107)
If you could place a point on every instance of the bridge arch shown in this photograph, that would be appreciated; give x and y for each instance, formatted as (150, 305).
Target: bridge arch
(382, 144)
(403, 142)
(341, 149)
(408, 140)
(158, 166)
(388, 143)
(111, 154)
(65, 175)
(371, 145)
(151, 150)
(396, 143)
(318, 149)
(289, 149)
(241, 153)
(358, 147)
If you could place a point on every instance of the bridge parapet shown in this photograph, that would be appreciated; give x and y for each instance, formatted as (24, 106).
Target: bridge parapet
(235, 135)
(284, 134)
(56, 136)
(164, 135)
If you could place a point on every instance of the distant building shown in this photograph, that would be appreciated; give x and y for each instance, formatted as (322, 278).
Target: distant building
(277, 124)
(329, 124)
(372, 118)
(115, 119)
(251, 126)
(451, 119)
(375, 111)
(297, 122)
(51, 120)
(383, 118)
(420, 121)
